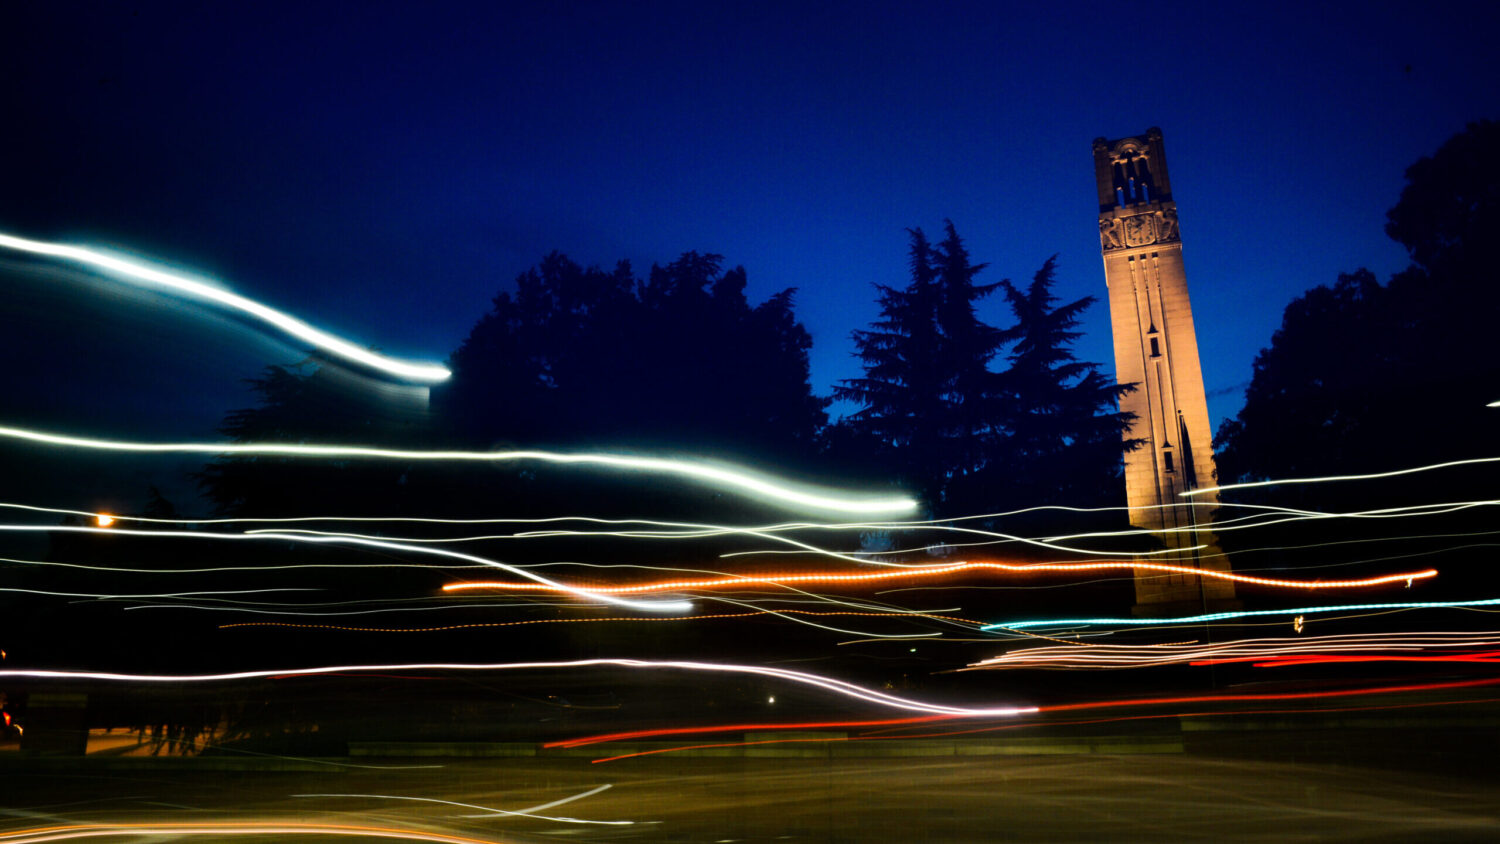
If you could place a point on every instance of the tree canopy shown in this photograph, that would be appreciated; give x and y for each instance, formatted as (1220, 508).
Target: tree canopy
(1366, 377)
(579, 356)
(973, 439)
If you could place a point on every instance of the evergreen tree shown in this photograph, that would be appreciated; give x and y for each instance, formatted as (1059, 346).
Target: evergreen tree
(316, 402)
(970, 439)
(971, 403)
(1063, 436)
(902, 392)
(927, 397)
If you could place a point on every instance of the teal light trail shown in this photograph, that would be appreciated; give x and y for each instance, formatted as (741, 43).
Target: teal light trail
(1221, 616)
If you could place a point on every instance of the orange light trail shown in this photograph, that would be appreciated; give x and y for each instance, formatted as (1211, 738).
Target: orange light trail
(935, 571)
(580, 620)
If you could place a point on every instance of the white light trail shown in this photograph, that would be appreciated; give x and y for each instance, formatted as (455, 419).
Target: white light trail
(773, 491)
(646, 606)
(1336, 478)
(819, 681)
(1096, 656)
(161, 279)
(494, 813)
(112, 596)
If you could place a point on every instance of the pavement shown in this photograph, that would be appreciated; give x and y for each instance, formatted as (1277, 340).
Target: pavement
(1392, 783)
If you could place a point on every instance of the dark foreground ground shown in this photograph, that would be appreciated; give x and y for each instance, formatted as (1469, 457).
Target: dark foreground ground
(1238, 785)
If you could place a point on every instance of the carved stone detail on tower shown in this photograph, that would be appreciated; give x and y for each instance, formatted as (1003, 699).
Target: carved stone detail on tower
(1110, 236)
(1166, 225)
(1140, 230)
(1136, 230)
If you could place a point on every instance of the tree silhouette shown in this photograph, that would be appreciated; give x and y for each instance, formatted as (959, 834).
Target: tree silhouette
(1363, 377)
(903, 390)
(316, 402)
(971, 402)
(581, 357)
(1063, 434)
(574, 358)
(971, 439)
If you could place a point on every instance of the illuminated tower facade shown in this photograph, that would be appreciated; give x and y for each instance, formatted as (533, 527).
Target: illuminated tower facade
(1157, 350)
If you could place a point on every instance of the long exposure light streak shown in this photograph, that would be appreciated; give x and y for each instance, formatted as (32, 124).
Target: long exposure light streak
(156, 594)
(1072, 656)
(1038, 723)
(491, 812)
(829, 684)
(1224, 616)
(647, 606)
(74, 832)
(937, 570)
(159, 279)
(1477, 461)
(755, 614)
(1126, 703)
(219, 569)
(658, 732)
(1490, 657)
(723, 476)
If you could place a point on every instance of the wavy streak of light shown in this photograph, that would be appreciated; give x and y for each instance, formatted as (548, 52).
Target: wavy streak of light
(630, 735)
(797, 619)
(1284, 622)
(159, 595)
(227, 828)
(795, 616)
(828, 684)
(1485, 657)
(159, 279)
(1220, 616)
(219, 569)
(1261, 517)
(491, 812)
(378, 611)
(1265, 517)
(952, 568)
(691, 530)
(1411, 511)
(648, 606)
(875, 735)
(1239, 553)
(722, 475)
(1477, 461)
(1115, 704)
(1097, 656)
(717, 531)
(754, 614)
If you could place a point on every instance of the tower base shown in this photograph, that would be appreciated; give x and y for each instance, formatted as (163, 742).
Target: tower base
(1173, 609)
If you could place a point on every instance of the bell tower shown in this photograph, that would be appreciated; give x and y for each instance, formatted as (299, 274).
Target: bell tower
(1156, 349)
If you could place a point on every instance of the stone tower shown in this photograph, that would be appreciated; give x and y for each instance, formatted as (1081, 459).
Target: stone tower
(1157, 350)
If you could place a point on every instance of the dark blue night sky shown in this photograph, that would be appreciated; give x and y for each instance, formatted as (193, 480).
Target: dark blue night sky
(384, 169)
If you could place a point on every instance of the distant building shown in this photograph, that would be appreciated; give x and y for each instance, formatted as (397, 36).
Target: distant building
(1157, 350)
